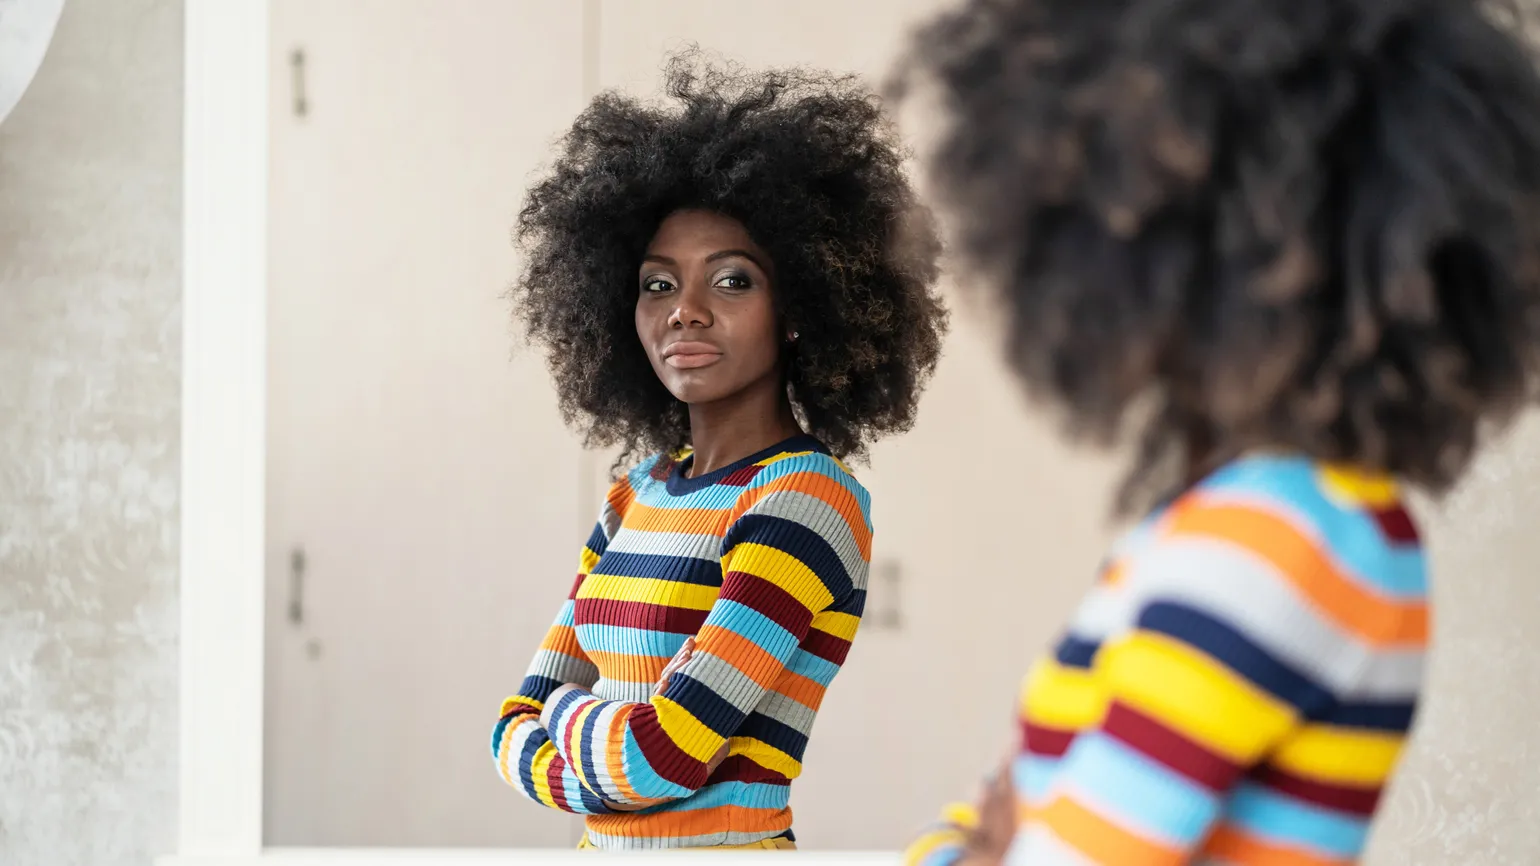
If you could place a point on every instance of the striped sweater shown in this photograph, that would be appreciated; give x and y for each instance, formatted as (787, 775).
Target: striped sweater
(765, 563)
(1237, 688)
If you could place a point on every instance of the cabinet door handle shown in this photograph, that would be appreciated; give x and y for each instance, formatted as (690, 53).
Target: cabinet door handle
(297, 586)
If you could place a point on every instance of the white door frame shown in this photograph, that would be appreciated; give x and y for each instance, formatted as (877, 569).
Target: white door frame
(224, 395)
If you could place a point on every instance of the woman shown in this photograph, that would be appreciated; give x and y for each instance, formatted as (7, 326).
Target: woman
(1292, 244)
(719, 285)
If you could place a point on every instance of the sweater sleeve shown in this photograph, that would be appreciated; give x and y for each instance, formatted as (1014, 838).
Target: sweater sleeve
(798, 548)
(525, 757)
(1236, 632)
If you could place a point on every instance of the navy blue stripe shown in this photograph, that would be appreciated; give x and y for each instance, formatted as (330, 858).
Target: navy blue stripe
(771, 732)
(789, 536)
(853, 604)
(527, 760)
(1074, 652)
(597, 542)
(684, 569)
(713, 711)
(1237, 652)
(594, 805)
(1387, 716)
(588, 760)
(538, 688)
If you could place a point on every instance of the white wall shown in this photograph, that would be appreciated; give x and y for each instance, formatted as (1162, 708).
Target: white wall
(90, 335)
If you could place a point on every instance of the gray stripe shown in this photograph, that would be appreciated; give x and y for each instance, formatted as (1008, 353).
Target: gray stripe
(564, 668)
(822, 518)
(788, 712)
(616, 690)
(731, 684)
(693, 545)
(709, 840)
(1242, 589)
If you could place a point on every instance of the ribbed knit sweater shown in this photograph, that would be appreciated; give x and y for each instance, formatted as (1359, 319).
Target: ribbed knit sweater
(765, 563)
(1237, 688)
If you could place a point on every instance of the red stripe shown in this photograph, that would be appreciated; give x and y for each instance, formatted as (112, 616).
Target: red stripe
(553, 774)
(769, 599)
(826, 646)
(742, 477)
(637, 614)
(575, 584)
(1045, 742)
(1397, 525)
(663, 754)
(741, 769)
(521, 710)
(1342, 798)
(1168, 747)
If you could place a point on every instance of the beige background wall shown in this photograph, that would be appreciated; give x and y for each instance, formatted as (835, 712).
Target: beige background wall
(89, 336)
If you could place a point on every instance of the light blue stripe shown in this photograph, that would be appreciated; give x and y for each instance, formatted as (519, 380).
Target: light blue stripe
(749, 623)
(565, 615)
(1278, 817)
(1293, 486)
(819, 670)
(644, 780)
(629, 641)
(1138, 792)
(1032, 775)
(944, 855)
(824, 465)
(746, 794)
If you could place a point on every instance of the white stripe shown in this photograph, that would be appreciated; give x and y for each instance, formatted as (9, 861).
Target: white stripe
(1038, 846)
(686, 544)
(561, 667)
(620, 690)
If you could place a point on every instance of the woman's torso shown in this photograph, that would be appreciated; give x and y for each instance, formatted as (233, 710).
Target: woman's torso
(653, 586)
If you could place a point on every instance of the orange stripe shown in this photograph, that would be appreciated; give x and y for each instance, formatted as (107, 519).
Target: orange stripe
(563, 639)
(1371, 616)
(693, 822)
(621, 496)
(696, 521)
(821, 487)
(740, 652)
(1103, 841)
(799, 688)
(1232, 845)
(627, 668)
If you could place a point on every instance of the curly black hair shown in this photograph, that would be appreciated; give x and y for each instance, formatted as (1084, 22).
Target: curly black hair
(1229, 224)
(809, 164)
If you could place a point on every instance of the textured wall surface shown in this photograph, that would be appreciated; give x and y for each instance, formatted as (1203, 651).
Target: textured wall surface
(90, 324)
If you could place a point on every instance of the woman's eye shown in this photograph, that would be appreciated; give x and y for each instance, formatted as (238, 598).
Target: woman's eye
(733, 281)
(655, 285)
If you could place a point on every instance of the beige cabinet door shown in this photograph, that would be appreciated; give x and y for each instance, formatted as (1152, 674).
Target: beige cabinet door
(987, 528)
(417, 465)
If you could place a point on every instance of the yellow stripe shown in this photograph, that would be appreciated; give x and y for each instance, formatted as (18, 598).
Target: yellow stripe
(587, 560)
(1357, 487)
(841, 625)
(1194, 695)
(649, 590)
(767, 756)
(923, 847)
(577, 727)
(1340, 755)
(782, 569)
(1060, 697)
(540, 769)
(687, 732)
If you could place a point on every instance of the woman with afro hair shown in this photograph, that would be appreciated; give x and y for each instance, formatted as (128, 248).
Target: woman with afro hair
(737, 288)
(1293, 246)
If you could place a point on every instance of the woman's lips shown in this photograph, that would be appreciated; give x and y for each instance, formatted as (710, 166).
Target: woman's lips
(690, 356)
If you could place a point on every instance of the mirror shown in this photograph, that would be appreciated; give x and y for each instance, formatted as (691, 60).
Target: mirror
(26, 28)
(426, 504)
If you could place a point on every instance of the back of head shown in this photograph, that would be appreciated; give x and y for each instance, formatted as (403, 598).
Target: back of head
(1300, 224)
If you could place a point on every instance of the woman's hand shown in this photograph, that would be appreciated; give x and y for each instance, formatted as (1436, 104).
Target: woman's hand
(988, 840)
(674, 664)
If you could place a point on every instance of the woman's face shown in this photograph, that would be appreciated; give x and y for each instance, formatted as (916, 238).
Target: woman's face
(705, 312)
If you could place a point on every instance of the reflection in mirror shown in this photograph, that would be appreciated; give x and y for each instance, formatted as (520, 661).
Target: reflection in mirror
(426, 502)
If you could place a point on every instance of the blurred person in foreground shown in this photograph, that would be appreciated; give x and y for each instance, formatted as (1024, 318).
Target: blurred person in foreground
(1293, 248)
(719, 283)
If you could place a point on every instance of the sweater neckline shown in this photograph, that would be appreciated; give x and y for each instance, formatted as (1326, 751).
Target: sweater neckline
(679, 484)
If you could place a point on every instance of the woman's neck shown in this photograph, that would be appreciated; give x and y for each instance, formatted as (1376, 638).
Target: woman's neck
(734, 427)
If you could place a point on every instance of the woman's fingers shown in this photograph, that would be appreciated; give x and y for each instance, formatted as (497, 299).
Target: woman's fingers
(674, 664)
